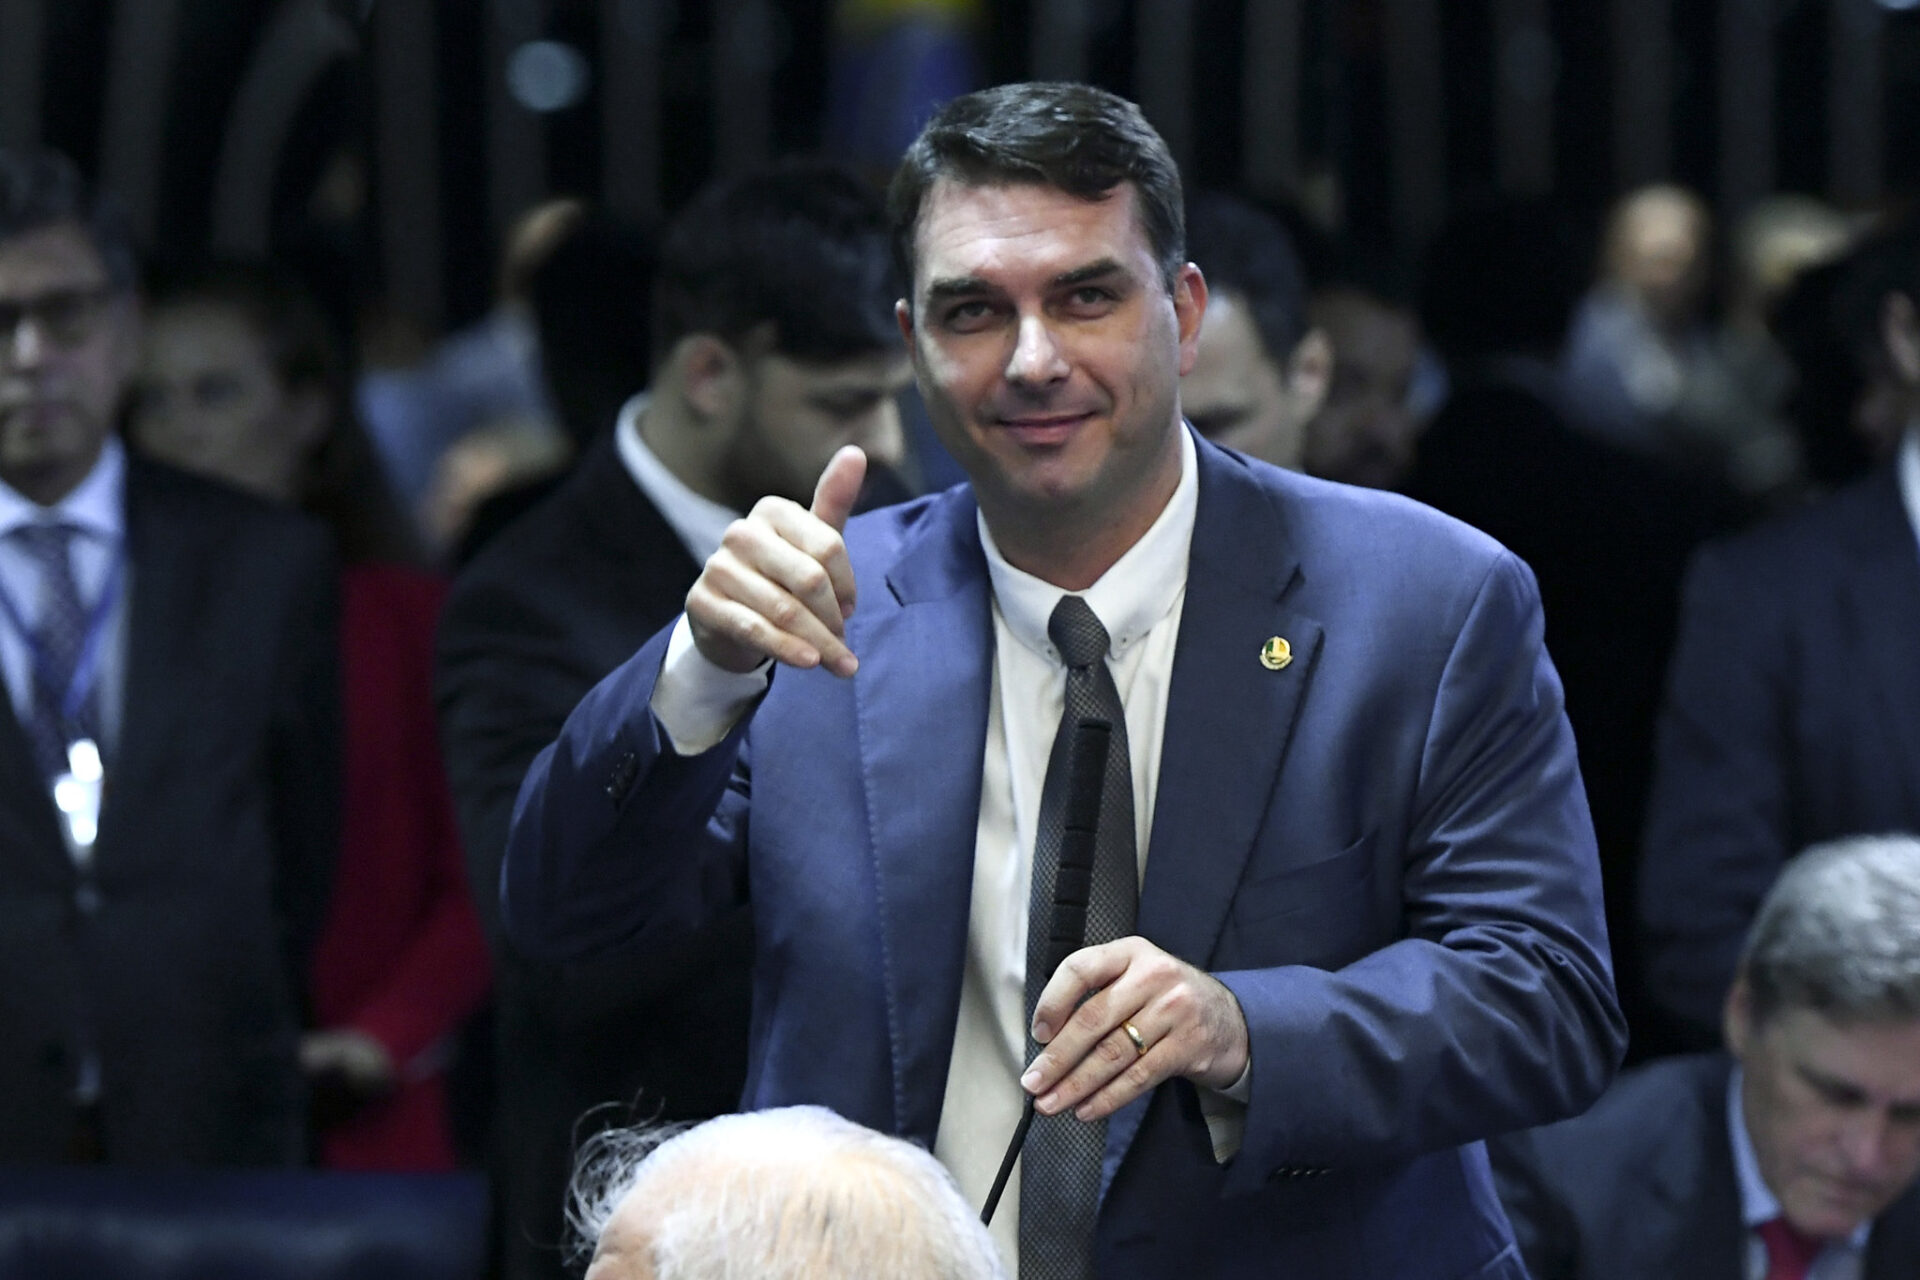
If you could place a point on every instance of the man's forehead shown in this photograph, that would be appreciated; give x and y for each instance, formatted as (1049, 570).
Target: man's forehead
(55, 255)
(966, 226)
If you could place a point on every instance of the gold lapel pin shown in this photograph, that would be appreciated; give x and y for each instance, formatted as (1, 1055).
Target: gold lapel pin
(1276, 653)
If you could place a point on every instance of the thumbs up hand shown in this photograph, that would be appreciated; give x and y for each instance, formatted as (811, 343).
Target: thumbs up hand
(781, 586)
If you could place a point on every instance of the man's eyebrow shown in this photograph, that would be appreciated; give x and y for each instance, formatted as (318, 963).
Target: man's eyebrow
(1092, 271)
(956, 287)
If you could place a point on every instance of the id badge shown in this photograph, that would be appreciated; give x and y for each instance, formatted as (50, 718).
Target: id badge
(77, 793)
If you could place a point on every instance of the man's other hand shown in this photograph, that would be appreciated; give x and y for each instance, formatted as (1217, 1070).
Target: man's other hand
(1188, 1021)
(781, 586)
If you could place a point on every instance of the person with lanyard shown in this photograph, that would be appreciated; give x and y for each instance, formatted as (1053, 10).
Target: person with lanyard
(1342, 908)
(168, 744)
(1793, 1154)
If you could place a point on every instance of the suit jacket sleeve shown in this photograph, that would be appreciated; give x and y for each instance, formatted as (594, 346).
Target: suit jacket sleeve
(1718, 825)
(304, 752)
(616, 840)
(1495, 1009)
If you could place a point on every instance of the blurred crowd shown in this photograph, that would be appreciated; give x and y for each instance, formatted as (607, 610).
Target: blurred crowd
(288, 613)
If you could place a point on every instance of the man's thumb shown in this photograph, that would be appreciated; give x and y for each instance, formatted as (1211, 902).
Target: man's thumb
(839, 486)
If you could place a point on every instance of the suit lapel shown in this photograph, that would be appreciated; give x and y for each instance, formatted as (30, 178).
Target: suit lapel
(162, 601)
(1885, 589)
(1694, 1226)
(1229, 721)
(922, 700)
(24, 793)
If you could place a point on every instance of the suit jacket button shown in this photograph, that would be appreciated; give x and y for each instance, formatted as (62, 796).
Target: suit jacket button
(625, 770)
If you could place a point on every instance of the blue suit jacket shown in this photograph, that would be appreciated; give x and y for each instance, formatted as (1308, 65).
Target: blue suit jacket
(1792, 716)
(1382, 849)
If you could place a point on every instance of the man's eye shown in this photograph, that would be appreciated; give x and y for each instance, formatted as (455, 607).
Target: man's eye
(967, 315)
(1090, 297)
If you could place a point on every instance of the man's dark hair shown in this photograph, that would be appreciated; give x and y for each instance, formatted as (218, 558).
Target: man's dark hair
(801, 246)
(1829, 324)
(1072, 137)
(593, 309)
(41, 189)
(1245, 250)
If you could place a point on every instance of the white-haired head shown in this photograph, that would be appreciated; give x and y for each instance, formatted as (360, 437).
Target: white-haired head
(796, 1193)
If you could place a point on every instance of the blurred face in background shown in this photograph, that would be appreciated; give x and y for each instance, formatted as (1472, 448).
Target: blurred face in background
(1238, 395)
(209, 400)
(67, 345)
(1657, 250)
(1365, 434)
(795, 415)
(1833, 1109)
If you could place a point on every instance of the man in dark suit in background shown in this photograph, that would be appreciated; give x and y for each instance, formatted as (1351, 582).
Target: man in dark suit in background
(1792, 1159)
(774, 346)
(168, 742)
(1792, 712)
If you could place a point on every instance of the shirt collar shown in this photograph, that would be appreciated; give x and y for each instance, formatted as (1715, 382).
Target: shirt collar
(1909, 473)
(1138, 591)
(96, 505)
(1757, 1201)
(699, 521)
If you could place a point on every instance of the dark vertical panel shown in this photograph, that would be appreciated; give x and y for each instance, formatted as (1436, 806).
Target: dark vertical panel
(1527, 72)
(747, 39)
(1746, 104)
(300, 41)
(139, 74)
(1416, 111)
(406, 81)
(516, 137)
(1855, 110)
(1642, 58)
(1800, 88)
(631, 35)
(22, 41)
(1270, 96)
(1061, 33)
(1163, 71)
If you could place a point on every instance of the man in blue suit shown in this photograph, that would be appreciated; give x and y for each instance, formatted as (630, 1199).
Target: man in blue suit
(1368, 928)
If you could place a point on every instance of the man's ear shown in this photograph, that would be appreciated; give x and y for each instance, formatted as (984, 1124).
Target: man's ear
(1900, 330)
(1737, 1018)
(903, 316)
(1190, 310)
(1309, 374)
(711, 375)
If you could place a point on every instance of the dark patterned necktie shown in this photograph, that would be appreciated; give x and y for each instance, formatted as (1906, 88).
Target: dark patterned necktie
(1060, 1168)
(60, 632)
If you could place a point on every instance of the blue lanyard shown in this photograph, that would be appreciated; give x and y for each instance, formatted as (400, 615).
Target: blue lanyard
(86, 669)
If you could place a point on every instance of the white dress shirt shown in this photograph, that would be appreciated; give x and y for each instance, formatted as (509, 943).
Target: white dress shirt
(698, 521)
(1139, 601)
(97, 508)
(1839, 1260)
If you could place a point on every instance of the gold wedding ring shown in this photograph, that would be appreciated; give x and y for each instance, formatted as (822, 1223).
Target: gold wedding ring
(1133, 1034)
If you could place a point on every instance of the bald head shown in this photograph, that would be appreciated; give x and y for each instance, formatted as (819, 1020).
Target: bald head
(791, 1194)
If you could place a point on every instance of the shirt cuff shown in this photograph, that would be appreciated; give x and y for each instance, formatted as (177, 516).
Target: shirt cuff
(696, 702)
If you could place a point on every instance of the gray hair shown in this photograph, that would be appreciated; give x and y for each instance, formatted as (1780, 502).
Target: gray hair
(796, 1193)
(1839, 933)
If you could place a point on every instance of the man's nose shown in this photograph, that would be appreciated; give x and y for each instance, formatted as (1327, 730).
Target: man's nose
(1036, 357)
(1868, 1142)
(26, 344)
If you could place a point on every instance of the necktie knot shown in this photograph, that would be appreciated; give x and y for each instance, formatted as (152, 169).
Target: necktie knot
(46, 541)
(1077, 633)
(1790, 1251)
